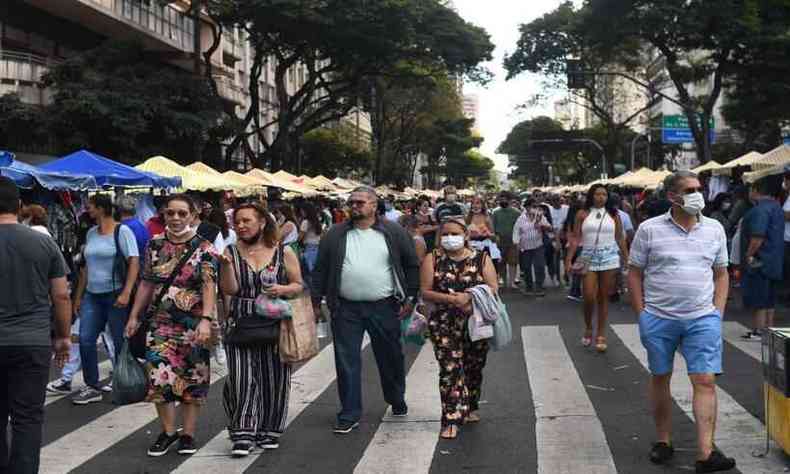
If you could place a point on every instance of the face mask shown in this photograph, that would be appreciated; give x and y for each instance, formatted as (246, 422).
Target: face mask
(693, 203)
(183, 232)
(453, 242)
(451, 198)
(726, 206)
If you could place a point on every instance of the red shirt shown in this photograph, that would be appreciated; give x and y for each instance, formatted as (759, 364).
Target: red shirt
(155, 226)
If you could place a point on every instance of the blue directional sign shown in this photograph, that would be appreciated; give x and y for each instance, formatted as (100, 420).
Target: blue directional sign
(681, 135)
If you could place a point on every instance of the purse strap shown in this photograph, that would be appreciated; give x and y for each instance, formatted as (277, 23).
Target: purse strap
(598, 234)
(172, 277)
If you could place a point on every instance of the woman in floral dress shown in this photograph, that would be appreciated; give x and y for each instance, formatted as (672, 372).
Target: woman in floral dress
(180, 327)
(445, 277)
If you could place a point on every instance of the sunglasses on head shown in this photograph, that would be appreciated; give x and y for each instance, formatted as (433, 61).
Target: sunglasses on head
(180, 213)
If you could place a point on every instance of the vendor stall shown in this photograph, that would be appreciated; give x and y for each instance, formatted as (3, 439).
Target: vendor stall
(108, 173)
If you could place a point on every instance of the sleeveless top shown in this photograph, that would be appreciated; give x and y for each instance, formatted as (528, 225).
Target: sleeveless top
(292, 236)
(457, 276)
(251, 282)
(590, 229)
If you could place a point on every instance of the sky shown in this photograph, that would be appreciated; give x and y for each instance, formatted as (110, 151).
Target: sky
(500, 98)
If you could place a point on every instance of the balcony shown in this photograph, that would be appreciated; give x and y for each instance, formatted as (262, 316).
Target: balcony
(159, 27)
(20, 73)
(230, 47)
(228, 90)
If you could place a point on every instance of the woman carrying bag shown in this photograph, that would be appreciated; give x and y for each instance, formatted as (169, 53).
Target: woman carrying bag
(178, 290)
(254, 274)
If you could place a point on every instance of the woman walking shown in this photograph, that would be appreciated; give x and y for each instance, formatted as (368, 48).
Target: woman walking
(481, 229)
(598, 229)
(256, 391)
(104, 290)
(179, 285)
(310, 233)
(445, 277)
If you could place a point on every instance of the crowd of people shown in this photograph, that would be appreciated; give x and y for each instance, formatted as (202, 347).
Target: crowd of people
(196, 270)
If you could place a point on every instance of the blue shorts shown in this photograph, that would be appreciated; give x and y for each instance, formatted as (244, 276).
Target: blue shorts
(699, 340)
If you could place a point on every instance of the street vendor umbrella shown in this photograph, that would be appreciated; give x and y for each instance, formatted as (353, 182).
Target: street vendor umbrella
(108, 172)
(27, 176)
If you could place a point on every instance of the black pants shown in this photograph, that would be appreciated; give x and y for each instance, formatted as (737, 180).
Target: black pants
(24, 371)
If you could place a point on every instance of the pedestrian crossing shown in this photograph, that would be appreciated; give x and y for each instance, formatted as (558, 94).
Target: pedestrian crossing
(539, 415)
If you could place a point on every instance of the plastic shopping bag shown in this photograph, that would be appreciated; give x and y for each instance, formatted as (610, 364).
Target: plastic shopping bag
(503, 331)
(129, 378)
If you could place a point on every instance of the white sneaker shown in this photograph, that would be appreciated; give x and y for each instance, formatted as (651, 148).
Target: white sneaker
(107, 388)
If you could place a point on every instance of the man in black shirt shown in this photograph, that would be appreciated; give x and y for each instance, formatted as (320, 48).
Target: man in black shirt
(450, 207)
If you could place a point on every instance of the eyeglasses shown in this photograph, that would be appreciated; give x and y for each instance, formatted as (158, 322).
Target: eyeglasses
(180, 213)
(356, 203)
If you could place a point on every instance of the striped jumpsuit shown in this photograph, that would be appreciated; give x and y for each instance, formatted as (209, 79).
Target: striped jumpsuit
(258, 383)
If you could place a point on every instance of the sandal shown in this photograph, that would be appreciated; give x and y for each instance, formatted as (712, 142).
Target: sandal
(449, 432)
(600, 344)
(587, 339)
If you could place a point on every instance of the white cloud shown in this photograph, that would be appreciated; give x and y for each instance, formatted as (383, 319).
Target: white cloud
(499, 99)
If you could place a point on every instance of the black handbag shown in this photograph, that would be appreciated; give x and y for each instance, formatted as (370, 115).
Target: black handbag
(137, 343)
(254, 331)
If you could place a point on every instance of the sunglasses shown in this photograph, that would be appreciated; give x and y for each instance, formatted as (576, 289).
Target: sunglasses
(180, 213)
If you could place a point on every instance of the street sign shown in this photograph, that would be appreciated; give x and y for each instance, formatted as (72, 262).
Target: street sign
(786, 136)
(679, 135)
(675, 129)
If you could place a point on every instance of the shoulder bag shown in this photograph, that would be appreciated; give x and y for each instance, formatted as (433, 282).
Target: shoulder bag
(582, 264)
(253, 330)
(137, 343)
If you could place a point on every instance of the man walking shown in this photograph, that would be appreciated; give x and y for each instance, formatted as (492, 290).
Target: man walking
(127, 209)
(762, 247)
(503, 220)
(367, 269)
(39, 277)
(559, 215)
(528, 235)
(679, 282)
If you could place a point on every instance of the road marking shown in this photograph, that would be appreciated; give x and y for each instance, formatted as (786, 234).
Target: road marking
(417, 434)
(71, 450)
(569, 434)
(104, 371)
(732, 332)
(307, 384)
(738, 433)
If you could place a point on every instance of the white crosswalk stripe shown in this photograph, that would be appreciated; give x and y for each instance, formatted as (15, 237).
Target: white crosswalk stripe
(738, 433)
(563, 410)
(417, 434)
(732, 332)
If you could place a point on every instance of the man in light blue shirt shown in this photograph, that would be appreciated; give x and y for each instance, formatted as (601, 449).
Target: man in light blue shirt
(679, 283)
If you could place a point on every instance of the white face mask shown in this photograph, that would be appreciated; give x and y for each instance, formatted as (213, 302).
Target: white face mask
(693, 203)
(187, 229)
(453, 242)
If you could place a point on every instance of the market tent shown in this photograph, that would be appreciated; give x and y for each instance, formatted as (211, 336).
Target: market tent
(709, 166)
(108, 172)
(250, 184)
(282, 174)
(266, 178)
(203, 168)
(191, 179)
(280, 182)
(746, 160)
(324, 183)
(774, 162)
(26, 176)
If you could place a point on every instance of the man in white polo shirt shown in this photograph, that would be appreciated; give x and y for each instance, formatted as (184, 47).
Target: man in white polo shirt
(679, 282)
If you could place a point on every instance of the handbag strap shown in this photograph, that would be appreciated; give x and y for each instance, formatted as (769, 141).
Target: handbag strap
(598, 234)
(172, 277)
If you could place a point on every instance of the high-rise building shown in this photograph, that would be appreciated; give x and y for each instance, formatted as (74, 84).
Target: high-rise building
(471, 107)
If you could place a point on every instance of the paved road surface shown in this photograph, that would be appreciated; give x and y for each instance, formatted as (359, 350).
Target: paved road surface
(549, 406)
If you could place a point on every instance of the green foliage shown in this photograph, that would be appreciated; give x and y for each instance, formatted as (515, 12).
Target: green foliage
(21, 125)
(334, 152)
(116, 101)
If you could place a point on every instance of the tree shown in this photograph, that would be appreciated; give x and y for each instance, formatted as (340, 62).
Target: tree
(21, 125)
(117, 101)
(446, 143)
(339, 46)
(334, 152)
(546, 44)
(697, 39)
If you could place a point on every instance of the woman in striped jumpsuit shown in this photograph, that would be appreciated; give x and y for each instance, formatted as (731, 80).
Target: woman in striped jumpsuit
(256, 390)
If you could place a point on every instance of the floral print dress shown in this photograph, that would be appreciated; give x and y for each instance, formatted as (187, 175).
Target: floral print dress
(177, 364)
(461, 361)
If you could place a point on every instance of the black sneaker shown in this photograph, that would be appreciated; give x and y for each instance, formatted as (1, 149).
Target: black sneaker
(186, 445)
(87, 395)
(716, 462)
(162, 444)
(241, 449)
(400, 412)
(345, 427)
(661, 453)
(59, 386)
(269, 442)
(752, 336)
(540, 293)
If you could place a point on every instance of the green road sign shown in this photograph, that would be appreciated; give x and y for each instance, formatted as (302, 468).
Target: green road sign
(680, 121)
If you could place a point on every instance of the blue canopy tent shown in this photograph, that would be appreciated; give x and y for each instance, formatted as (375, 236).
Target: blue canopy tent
(26, 176)
(108, 172)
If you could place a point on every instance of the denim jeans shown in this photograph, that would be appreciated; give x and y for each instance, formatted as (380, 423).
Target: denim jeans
(24, 371)
(533, 258)
(96, 312)
(349, 323)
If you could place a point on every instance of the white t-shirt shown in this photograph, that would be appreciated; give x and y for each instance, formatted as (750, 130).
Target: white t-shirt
(786, 208)
(310, 237)
(558, 216)
(231, 239)
(45, 231)
(393, 215)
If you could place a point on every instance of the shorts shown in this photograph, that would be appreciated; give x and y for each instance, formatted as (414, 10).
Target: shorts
(509, 253)
(759, 292)
(602, 258)
(699, 340)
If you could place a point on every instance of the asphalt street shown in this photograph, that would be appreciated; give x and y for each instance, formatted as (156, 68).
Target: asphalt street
(549, 405)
